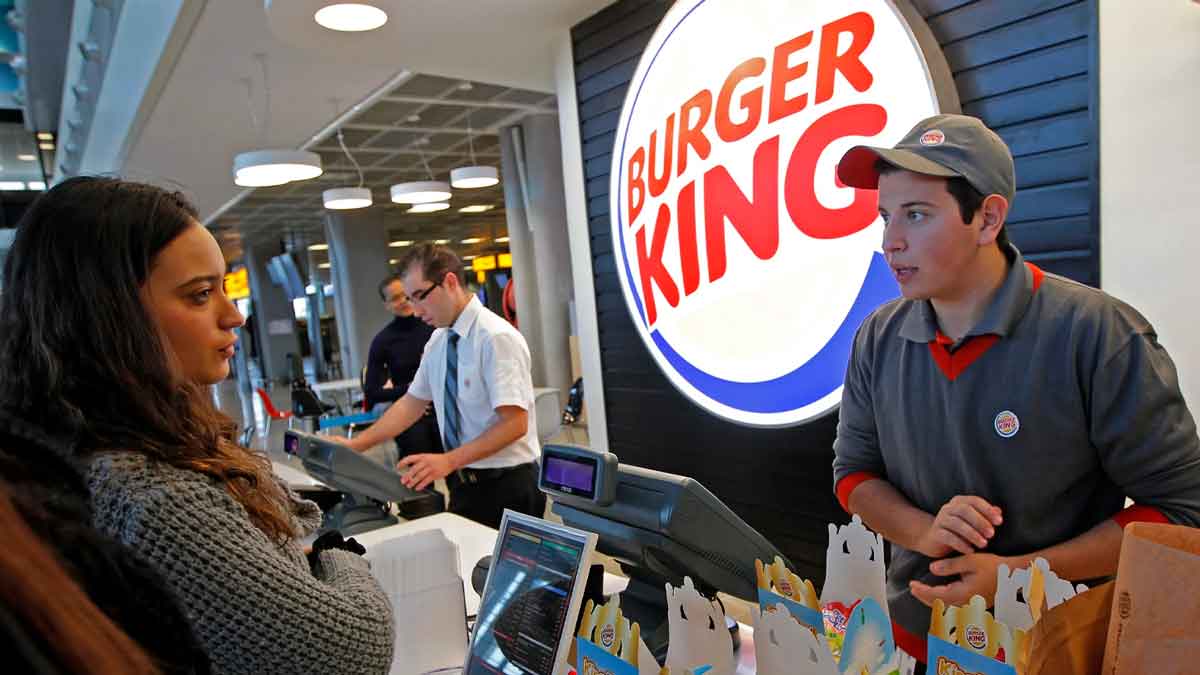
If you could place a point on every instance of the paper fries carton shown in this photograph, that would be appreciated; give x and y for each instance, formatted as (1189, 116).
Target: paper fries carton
(783, 646)
(698, 636)
(780, 587)
(854, 570)
(1041, 588)
(607, 643)
(967, 640)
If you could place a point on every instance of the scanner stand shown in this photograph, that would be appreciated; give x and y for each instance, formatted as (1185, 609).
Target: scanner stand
(356, 514)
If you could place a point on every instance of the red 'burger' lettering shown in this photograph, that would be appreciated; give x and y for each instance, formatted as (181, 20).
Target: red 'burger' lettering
(861, 28)
(752, 93)
(751, 102)
(754, 218)
(691, 133)
(695, 112)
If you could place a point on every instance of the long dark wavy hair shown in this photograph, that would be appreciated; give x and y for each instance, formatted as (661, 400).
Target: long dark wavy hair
(81, 356)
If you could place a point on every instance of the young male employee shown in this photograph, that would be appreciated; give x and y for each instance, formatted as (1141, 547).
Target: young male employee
(996, 413)
(392, 363)
(476, 371)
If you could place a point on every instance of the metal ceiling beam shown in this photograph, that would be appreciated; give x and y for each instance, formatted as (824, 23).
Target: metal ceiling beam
(435, 100)
(431, 154)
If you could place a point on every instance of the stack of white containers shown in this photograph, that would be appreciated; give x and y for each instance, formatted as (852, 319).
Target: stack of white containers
(419, 572)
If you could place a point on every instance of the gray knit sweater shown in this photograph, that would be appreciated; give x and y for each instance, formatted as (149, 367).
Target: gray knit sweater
(257, 607)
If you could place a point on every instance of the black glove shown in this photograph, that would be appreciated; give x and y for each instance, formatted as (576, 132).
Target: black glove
(333, 540)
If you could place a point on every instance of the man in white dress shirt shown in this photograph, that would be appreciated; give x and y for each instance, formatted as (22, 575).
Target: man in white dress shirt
(476, 371)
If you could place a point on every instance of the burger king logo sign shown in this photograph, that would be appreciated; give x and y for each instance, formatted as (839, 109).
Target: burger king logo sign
(746, 266)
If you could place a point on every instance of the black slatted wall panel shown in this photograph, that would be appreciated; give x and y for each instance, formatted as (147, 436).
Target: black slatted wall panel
(1023, 66)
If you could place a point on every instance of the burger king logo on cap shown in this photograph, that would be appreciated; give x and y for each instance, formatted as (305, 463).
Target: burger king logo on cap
(1007, 424)
(745, 265)
(933, 137)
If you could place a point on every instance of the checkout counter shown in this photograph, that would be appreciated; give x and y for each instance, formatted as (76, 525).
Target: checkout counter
(659, 527)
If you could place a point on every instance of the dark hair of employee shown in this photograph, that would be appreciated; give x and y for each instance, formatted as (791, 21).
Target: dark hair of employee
(81, 355)
(435, 262)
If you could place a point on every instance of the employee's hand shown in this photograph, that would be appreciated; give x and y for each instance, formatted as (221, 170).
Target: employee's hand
(423, 469)
(964, 524)
(976, 576)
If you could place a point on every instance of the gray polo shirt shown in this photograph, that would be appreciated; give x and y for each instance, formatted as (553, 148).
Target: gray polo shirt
(1057, 406)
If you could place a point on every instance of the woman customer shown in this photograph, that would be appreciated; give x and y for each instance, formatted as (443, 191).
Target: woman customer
(113, 322)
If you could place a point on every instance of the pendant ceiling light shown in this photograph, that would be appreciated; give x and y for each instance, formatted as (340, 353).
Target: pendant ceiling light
(421, 191)
(345, 198)
(476, 175)
(265, 168)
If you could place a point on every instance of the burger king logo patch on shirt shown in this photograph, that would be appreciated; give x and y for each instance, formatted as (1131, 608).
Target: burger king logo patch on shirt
(1006, 423)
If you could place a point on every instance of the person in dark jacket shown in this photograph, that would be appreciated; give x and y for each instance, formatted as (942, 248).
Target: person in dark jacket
(391, 364)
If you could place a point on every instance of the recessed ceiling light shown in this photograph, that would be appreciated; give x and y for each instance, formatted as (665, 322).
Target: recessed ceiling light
(393, 261)
(46, 146)
(441, 242)
(11, 185)
(469, 257)
(318, 247)
(45, 136)
(351, 17)
(474, 240)
(501, 240)
(428, 207)
(477, 208)
(400, 243)
(414, 118)
(25, 157)
(37, 185)
(324, 266)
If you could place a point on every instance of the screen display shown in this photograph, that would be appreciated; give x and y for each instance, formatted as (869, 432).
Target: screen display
(291, 444)
(572, 476)
(523, 613)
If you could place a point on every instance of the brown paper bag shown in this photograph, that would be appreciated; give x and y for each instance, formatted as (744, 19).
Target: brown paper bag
(1069, 639)
(1155, 622)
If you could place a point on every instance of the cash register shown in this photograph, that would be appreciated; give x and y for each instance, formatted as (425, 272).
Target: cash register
(660, 527)
(367, 488)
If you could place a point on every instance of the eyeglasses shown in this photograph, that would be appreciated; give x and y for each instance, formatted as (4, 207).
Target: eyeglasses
(420, 296)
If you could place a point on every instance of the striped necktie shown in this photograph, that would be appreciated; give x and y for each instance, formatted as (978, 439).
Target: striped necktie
(452, 437)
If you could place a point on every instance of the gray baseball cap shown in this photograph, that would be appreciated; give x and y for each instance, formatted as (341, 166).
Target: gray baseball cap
(942, 145)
